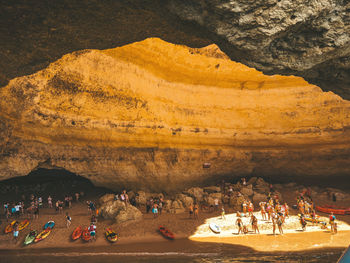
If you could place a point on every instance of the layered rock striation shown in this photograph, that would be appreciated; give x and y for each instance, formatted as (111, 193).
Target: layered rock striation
(306, 38)
(149, 115)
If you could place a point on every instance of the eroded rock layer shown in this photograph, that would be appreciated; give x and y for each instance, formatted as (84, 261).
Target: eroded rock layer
(150, 114)
(306, 38)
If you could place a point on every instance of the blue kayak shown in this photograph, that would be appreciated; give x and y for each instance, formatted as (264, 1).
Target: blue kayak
(345, 258)
(49, 224)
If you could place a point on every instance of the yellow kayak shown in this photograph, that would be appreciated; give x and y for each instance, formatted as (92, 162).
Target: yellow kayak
(42, 235)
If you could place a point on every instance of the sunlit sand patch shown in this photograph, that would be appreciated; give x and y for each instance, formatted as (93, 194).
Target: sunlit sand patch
(294, 238)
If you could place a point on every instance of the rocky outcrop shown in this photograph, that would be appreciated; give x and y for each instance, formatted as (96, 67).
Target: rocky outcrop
(118, 210)
(306, 38)
(149, 115)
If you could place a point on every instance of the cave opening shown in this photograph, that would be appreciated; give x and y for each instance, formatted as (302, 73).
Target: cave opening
(44, 182)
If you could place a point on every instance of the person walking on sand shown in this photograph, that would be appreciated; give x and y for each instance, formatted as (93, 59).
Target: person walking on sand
(239, 223)
(332, 222)
(254, 222)
(303, 222)
(195, 211)
(15, 232)
(155, 210)
(49, 201)
(273, 219)
(263, 212)
(68, 220)
(223, 212)
(190, 210)
(280, 223)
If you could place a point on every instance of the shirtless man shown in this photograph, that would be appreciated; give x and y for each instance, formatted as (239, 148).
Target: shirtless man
(263, 212)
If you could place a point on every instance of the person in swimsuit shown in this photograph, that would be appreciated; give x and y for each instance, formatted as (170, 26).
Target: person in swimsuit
(239, 223)
(190, 210)
(263, 212)
(254, 222)
(195, 211)
(280, 223)
(15, 232)
(69, 220)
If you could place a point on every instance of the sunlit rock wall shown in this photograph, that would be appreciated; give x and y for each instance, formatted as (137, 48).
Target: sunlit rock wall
(149, 114)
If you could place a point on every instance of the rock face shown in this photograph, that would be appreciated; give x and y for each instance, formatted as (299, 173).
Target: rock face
(149, 115)
(116, 209)
(307, 38)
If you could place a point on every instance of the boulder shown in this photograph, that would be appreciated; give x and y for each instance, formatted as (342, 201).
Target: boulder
(167, 206)
(212, 189)
(111, 209)
(140, 198)
(196, 193)
(130, 214)
(216, 195)
(257, 198)
(247, 190)
(261, 186)
(186, 200)
(106, 198)
(252, 180)
(236, 202)
(177, 207)
(116, 209)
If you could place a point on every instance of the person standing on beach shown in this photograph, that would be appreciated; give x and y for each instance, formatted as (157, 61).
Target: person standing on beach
(303, 222)
(195, 211)
(239, 223)
(223, 212)
(15, 232)
(155, 210)
(254, 222)
(68, 220)
(263, 212)
(49, 201)
(190, 210)
(280, 223)
(332, 222)
(273, 218)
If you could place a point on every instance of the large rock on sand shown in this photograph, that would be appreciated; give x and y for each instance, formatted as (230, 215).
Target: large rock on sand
(195, 192)
(185, 200)
(212, 189)
(257, 197)
(247, 190)
(131, 213)
(106, 198)
(118, 210)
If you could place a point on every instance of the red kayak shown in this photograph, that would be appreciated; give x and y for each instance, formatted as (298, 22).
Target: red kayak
(166, 232)
(333, 210)
(77, 233)
(85, 235)
(337, 207)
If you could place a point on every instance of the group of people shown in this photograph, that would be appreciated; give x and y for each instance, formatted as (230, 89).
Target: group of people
(155, 205)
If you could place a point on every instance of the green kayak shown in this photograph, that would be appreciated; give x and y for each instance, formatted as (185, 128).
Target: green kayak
(30, 237)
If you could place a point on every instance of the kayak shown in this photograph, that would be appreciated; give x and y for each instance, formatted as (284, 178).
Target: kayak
(111, 235)
(85, 235)
(9, 227)
(77, 233)
(42, 235)
(336, 207)
(30, 237)
(23, 224)
(309, 219)
(332, 210)
(215, 228)
(166, 232)
(49, 225)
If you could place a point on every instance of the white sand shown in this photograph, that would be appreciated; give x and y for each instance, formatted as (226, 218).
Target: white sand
(229, 228)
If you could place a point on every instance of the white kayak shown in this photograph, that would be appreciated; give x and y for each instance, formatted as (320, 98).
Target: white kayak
(215, 228)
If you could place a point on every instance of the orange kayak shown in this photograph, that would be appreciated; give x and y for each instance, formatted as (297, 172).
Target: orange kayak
(77, 233)
(9, 227)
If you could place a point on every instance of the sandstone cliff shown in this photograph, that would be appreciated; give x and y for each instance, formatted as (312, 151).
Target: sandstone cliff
(149, 114)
